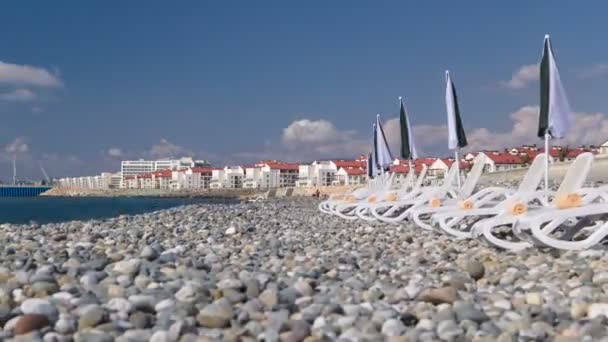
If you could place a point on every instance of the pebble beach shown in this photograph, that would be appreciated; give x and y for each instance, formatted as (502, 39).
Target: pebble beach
(281, 271)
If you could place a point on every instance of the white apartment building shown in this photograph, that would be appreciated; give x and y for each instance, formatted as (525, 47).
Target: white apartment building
(319, 173)
(271, 174)
(140, 167)
(351, 176)
(230, 177)
(604, 148)
(191, 178)
(104, 181)
(324, 173)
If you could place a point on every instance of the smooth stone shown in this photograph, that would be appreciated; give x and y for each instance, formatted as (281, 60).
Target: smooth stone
(160, 336)
(503, 304)
(303, 288)
(230, 231)
(120, 305)
(600, 278)
(579, 310)
(597, 309)
(93, 337)
(135, 335)
(148, 253)
(164, 304)
(393, 327)
(439, 295)
(55, 337)
(30, 322)
(252, 289)
(468, 311)
(65, 325)
(216, 315)
(475, 269)
(45, 288)
(269, 298)
(127, 267)
(116, 291)
(189, 293)
(140, 320)
(229, 284)
(90, 317)
(39, 306)
(448, 330)
(534, 298)
(143, 302)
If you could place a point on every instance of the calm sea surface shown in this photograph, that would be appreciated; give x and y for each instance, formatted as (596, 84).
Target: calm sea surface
(59, 209)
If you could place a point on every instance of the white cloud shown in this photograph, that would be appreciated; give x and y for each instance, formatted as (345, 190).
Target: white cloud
(306, 139)
(321, 139)
(15, 74)
(428, 138)
(115, 152)
(523, 77)
(18, 95)
(587, 129)
(598, 70)
(17, 146)
(167, 149)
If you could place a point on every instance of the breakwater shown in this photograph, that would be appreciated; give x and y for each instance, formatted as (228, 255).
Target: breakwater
(22, 191)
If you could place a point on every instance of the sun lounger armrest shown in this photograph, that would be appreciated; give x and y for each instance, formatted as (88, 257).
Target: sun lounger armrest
(590, 195)
(543, 196)
(486, 195)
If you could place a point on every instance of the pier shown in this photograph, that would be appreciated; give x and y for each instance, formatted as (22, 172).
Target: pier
(22, 191)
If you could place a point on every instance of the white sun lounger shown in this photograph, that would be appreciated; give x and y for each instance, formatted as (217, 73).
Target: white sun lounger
(363, 209)
(488, 201)
(446, 195)
(347, 209)
(582, 226)
(535, 203)
(386, 209)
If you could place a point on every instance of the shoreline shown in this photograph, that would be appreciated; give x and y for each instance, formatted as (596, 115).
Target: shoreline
(152, 193)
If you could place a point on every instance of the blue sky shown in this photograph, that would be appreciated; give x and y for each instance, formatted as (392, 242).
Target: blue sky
(237, 81)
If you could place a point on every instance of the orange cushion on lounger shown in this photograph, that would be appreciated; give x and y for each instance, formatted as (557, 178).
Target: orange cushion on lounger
(351, 199)
(565, 201)
(466, 205)
(371, 199)
(435, 202)
(392, 197)
(518, 208)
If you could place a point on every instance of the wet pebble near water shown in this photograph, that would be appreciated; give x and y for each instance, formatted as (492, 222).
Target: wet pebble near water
(281, 271)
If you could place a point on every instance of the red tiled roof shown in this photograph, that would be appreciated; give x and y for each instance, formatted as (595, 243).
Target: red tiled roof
(425, 161)
(406, 168)
(350, 163)
(504, 158)
(449, 161)
(354, 171)
(283, 166)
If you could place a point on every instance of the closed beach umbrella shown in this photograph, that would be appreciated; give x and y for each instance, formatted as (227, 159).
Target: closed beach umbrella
(554, 117)
(457, 139)
(384, 157)
(408, 148)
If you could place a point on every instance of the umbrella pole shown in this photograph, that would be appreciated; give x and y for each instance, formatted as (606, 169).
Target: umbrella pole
(457, 161)
(548, 155)
(409, 162)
